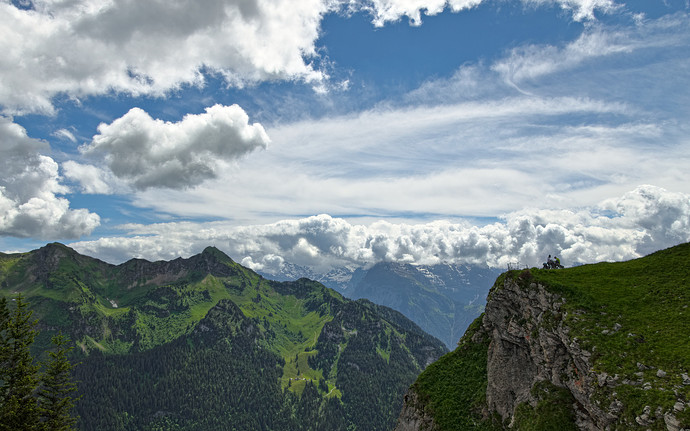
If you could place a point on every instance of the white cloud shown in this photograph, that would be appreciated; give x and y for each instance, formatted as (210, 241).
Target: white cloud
(91, 179)
(81, 49)
(153, 153)
(29, 185)
(472, 159)
(581, 9)
(65, 134)
(596, 43)
(93, 48)
(384, 11)
(641, 221)
(473, 146)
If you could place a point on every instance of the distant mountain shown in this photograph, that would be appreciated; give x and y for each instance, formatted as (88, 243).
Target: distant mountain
(204, 343)
(442, 299)
(595, 347)
(339, 279)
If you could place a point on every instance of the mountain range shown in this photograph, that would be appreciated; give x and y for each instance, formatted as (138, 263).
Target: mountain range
(204, 343)
(442, 299)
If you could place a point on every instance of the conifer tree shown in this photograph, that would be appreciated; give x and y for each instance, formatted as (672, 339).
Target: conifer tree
(19, 376)
(30, 401)
(55, 398)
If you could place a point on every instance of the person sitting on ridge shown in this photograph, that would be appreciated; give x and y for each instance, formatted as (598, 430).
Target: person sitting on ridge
(557, 262)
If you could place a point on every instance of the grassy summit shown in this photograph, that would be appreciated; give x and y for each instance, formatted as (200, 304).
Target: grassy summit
(633, 317)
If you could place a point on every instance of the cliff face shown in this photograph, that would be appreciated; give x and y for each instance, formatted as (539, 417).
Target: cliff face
(413, 417)
(530, 344)
(602, 347)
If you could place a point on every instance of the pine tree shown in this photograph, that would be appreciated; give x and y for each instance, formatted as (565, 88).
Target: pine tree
(30, 401)
(19, 376)
(55, 398)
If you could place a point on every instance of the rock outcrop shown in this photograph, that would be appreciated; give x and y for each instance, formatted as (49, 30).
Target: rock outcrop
(530, 344)
(413, 417)
(533, 351)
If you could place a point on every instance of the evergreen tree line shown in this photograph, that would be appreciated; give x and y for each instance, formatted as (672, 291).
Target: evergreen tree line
(216, 378)
(33, 396)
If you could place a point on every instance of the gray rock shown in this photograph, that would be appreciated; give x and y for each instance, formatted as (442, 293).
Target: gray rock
(643, 419)
(616, 407)
(519, 359)
(672, 423)
(686, 379)
(413, 416)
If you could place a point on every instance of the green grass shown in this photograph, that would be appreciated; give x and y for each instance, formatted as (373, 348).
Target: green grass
(453, 389)
(294, 329)
(7, 263)
(631, 313)
(554, 410)
(625, 314)
(647, 297)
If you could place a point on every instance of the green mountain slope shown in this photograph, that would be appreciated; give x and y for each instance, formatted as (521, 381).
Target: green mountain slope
(204, 343)
(604, 346)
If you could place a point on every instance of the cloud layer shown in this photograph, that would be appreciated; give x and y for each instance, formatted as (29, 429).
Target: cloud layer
(79, 49)
(641, 221)
(146, 153)
(29, 189)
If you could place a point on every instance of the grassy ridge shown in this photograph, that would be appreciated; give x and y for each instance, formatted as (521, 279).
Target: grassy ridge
(634, 317)
(136, 314)
(648, 298)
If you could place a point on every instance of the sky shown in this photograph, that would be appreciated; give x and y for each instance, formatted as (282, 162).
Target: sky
(332, 133)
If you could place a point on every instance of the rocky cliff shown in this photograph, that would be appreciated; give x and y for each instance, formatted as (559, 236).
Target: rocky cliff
(531, 344)
(602, 347)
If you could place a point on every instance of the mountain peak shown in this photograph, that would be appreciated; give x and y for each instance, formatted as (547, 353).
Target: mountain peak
(211, 252)
(51, 254)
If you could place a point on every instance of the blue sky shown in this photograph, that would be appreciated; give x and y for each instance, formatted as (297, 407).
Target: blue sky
(330, 133)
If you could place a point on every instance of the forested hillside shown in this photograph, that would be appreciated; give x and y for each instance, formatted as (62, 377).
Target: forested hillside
(204, 343)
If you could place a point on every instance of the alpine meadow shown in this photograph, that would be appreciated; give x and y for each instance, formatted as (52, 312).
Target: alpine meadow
(356, 215)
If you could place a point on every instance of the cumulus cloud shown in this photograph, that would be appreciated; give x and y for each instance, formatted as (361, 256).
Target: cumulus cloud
(92, 179)
(29, 189)
(641, 221)
(147, 152)
(384, 11)
(96, 47)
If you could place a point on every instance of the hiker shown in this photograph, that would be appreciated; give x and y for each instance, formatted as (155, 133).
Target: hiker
(553, 263)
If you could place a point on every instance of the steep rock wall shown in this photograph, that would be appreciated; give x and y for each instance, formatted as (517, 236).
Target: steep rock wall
(530, 344)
